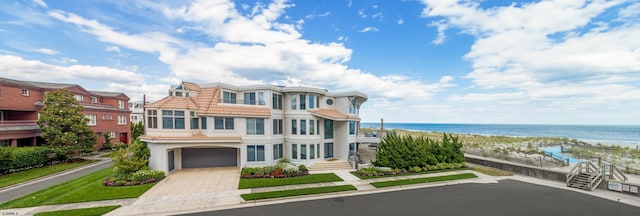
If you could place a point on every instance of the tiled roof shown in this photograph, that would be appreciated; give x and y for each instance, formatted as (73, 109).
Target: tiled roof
(199, 136)
(36, 84)
(175, 102)
(191, 86)
(106, 94)
(209, 103)
(333, 115)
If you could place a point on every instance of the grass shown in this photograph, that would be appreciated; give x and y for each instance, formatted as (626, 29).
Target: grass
(491, 171)
(270, 182)
(83, 211)
(355, 173)
(297, 192)
(82, 189)
(23, 176)
(423, 180)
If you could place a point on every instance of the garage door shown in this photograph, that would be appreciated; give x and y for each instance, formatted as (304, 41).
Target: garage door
(208, 157)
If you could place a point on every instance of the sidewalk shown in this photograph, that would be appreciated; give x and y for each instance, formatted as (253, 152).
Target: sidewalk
(24, 188)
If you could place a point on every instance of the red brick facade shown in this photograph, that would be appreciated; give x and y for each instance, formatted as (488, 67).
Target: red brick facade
(21, 101)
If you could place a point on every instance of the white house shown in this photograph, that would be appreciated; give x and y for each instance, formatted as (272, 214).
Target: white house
(223, 125)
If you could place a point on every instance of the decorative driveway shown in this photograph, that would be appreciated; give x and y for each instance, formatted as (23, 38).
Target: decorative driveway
(196, 181)
(189, 189)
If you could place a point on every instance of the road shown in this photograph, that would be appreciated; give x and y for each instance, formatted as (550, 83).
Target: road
(508, 197)
(14, 192)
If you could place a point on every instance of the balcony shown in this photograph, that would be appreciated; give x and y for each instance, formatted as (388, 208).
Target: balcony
(18, 125)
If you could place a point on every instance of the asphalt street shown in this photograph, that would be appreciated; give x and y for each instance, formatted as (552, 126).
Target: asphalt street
(11, 193)
(508, 197)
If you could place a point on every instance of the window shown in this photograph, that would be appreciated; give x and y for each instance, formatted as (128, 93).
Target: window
(312, 151)
(203, 121)
(94, 99)
(78, 98)
(352, 127)
(194, 120)
(261, 98)
(276, 100)
(318, 101)
(329, 101)
(250, 98)
(107, 117)
(294, 151)
(312, 128)
(255, 153)
(277, 126)
(120, 104)
(112, 134)
(318, 150)
(328, 129)
(152, 118)
(228, 97)
(352, 107)
(255, 126)
(92, 119)
(312, 101)
(25, 92)
(122, 120)
(223, 123)
(293, 102)
(294, 126)
(303, 102)
(134, 118)
(172, 119)
(178, 94)
(303, 152)
(303, 127)
(278, 151)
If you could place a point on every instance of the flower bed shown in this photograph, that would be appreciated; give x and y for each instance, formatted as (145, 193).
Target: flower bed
(281, 170)
(137, 178)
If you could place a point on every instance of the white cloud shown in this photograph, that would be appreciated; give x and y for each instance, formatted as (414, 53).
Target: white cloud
(369, 29)
(400, 21)
(361, 13)
(40, 3)
(20, 68)
(47, 51)
(545, 54)
(112, 49)
(313, 16)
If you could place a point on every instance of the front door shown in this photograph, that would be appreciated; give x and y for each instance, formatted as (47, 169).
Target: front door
(124, 138)
(328, 150)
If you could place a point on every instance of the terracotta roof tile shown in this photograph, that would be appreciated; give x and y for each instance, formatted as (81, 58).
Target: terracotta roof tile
(333, 114)
(191, 86)
(175, 102)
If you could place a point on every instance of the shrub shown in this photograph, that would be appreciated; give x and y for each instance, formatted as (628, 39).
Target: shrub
(143, 175)
(405, 152)
(14, 159)
(280, 170)
(303, 168)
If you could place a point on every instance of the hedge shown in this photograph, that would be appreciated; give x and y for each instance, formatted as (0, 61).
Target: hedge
(13, 159)
(405, 152)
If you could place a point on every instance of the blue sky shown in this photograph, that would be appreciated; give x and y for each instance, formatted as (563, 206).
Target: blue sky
(431, 61)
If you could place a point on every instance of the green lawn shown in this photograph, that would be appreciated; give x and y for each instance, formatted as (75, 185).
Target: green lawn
(355, 173)
(297, 192)
(269, 182)
(96, 211)
(18, 177)
(82, 189)
(423, 180)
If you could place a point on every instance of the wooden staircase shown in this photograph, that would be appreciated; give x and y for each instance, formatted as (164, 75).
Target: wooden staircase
(585, 176)
(330, 165)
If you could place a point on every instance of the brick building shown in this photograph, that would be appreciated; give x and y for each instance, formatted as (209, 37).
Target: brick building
(22, 101)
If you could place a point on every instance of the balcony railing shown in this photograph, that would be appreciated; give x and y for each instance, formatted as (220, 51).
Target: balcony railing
(242, 102)
(18, 125)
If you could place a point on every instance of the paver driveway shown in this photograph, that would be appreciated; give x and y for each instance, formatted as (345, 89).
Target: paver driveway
(197, 181)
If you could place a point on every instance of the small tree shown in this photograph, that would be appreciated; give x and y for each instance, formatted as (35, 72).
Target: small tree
(107, 141)
(137, 129)
(131, 159)
(63, 124)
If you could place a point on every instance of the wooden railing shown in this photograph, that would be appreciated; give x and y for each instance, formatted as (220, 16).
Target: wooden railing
(595, 178)
(613, 173)
(581, 167)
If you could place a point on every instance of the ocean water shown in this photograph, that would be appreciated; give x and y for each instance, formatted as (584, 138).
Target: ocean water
(625, 135)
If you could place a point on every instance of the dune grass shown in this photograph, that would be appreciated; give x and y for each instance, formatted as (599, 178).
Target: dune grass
(270, 182)
(23, 176)
(82, 189)
(297, 192)
(423, 180)
(96, 211)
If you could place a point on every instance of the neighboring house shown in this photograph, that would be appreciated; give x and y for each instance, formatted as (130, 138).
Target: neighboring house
(22, 101)
(137, 111)
(223, 125)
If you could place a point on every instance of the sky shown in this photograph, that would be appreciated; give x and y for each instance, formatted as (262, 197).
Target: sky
(419, 61)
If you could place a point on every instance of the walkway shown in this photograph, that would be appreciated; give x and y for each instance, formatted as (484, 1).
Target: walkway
(19, 190)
